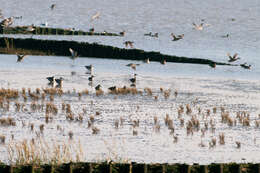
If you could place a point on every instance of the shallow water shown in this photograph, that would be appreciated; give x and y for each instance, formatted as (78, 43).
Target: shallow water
(205, 91)
(233, 88)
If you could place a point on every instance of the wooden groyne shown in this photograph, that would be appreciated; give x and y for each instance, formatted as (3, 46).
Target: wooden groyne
(131, 168)
(51, 31)
(61, 48)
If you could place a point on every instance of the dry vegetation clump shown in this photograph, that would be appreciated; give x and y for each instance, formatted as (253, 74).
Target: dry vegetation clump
(17, 106)
(79, 118)
(188, 109)
(70, 116)
(95, 130)
(99, 92)
(238, 144)
(212, 143)
(53, 91)
(124, 91)
(7, 121)
(135, 123)
(39, 152)
(135, 132)
(51, 109)
(2, 139)
(221, 139)
(148, 91)
(9, 93)
(70, 135)
(116, 123)
(167, 93)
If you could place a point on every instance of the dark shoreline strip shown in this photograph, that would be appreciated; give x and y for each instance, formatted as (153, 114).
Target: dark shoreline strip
(51, 31)
(61, 48)
(104, 167)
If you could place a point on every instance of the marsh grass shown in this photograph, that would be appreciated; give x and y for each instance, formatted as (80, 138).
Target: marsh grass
(39, 151)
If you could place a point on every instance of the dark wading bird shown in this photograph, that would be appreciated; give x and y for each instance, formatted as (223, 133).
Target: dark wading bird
(20, 57)
(233, 58)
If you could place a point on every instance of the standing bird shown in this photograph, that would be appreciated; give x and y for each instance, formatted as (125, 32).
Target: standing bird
(20, 57)
(147, 61)
(98, 87)
(53, 6)
(90, 79)
(132, 65)
(198, 27)
(89, 68)
(51, 81)
(233, 58)
(74, 54)
(133, 80)
(59, 82)
(163, 62)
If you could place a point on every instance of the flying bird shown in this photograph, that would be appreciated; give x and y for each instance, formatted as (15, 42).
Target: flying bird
(59, 82)
(20, 57)
(89, 68)
(96, 16)
(51, 81)
(74, 54)
(129, 43)
(233, 58)
(132, 65)
(198, 27)
(178, 37)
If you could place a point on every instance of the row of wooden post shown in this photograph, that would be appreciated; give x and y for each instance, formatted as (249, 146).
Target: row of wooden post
(132, 168)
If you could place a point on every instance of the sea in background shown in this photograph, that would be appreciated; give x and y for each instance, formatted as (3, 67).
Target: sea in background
(233, 87)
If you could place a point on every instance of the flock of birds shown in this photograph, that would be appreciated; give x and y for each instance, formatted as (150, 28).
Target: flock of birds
(57, 82)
